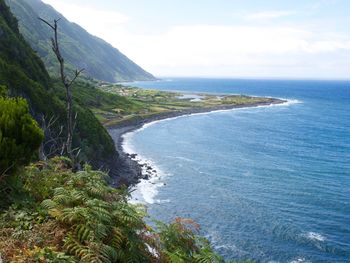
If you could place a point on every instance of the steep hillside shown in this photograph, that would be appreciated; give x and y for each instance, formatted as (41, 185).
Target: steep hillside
(24, 74)
(80, 49)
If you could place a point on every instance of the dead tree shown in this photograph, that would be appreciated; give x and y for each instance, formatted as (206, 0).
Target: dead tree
(67, 84)
(53, 144)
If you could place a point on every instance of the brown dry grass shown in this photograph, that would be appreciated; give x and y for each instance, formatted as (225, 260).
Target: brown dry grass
(14, 246)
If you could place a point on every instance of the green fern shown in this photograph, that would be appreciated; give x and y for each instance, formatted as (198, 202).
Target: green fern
(97, 224)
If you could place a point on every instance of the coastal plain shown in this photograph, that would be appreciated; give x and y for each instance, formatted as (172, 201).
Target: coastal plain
(145, 104)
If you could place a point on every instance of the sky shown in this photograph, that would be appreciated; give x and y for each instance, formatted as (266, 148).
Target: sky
(223, 38)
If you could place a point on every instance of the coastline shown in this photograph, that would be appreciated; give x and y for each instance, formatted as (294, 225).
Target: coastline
(127, 170)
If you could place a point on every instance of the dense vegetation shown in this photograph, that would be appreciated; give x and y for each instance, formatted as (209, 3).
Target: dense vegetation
(23, 73)
(80, 49)
(20, 135)
(64, 216)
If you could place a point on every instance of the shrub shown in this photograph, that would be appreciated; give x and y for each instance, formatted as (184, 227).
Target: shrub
(20, 135)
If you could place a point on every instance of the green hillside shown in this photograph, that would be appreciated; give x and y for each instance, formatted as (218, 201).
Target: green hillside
(80, 49)
(24, 75)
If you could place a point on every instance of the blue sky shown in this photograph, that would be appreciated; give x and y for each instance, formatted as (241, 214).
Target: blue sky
(223, 38)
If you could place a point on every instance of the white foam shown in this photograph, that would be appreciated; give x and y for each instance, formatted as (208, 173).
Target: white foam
(127, 147)
(315, 236)
(300, 260)
(181, 158)
(147, 189)
(289, 102)
(216, 241)
(226, 247)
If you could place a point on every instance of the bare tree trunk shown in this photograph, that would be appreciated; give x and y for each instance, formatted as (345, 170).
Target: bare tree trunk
(69, 122)
(67, 84)
(42, 155)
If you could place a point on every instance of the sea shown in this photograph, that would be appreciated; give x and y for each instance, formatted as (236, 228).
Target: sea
(268, 184)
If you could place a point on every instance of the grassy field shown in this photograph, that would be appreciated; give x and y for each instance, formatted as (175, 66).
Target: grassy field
(114, 104)
(144, 103)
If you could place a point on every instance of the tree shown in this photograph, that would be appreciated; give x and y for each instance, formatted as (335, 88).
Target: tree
(67, 83)
(20, 135)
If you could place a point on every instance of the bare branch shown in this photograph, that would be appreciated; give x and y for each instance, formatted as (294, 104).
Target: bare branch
(78, 149)
(47, 23)
(75, 121)
(53, 141)
(76, 75)
(52, 121)
(62, 149)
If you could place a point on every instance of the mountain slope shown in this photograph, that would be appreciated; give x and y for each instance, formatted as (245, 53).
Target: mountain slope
(80, 49)
(24, 74)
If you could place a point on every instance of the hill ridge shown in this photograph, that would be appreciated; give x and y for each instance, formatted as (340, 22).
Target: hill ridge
(81, 49)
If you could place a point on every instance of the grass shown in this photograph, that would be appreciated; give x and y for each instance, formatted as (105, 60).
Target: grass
(142, 103)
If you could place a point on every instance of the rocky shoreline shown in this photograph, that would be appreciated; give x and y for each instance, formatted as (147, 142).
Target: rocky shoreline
(127, 170)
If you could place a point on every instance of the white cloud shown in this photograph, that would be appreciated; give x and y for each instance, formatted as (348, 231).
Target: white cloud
(268, 15)
(205, 47)
(221, 50)
(94, 20)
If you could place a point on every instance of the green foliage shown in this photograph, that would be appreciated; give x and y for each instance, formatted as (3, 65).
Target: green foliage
(91, 97)
(180, 244)
(20, 135)
(179, 234)
(79, 48)
(43, 177)
(70, 216)
(10, 20)
(98, 219)
(14, 48)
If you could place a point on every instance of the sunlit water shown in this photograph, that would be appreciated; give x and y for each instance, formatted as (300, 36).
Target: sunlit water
(270, 184)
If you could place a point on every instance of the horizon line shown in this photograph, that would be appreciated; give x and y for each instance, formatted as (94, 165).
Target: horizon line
(253, 78)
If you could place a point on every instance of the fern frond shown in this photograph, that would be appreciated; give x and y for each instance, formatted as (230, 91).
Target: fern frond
(109, 253)
(207, 257)
(118, 237)
(83, 232)
(73, 215)
(48, 204)
(175, 257)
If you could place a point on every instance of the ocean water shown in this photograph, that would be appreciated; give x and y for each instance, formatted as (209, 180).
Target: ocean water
(270, 184)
